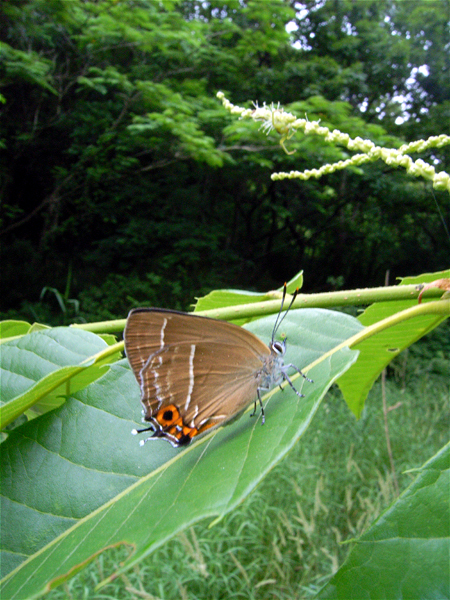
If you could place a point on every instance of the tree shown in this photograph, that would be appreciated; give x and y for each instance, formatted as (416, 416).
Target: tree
(122, 170)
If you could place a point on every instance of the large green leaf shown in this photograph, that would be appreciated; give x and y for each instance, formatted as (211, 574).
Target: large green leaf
(75, 481)
(40, 369)
(405, 554)
(378, 351)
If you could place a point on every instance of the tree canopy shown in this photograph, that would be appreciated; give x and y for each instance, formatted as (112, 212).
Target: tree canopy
(125, 182)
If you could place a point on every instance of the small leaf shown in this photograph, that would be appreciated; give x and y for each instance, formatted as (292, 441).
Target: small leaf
(9, 329)
(16, 329)
(378, 351)
(225, 298)
(442, 284)
(295, 283)
(38, 368)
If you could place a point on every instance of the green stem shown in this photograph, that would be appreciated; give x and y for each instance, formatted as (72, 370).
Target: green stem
(356, 297)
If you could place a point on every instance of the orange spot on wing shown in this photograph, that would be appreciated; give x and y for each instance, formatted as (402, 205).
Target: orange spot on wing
(171, 422)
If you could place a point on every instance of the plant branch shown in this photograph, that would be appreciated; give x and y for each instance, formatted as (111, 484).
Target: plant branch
(356, 297)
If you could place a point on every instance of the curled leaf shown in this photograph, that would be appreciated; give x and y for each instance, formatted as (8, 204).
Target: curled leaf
(443, 284)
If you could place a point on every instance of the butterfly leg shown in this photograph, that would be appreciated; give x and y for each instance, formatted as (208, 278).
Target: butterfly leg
(142, 442)
(288, 379)
(136, 431)
(263, 417)
(291, 366)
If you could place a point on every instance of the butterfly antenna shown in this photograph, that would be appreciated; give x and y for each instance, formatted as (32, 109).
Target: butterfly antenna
(280, 320)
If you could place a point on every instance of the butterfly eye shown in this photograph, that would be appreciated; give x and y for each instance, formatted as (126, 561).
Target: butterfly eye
(279, 347)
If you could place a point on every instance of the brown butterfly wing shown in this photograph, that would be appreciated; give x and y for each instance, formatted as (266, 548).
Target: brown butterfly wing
(209, 369)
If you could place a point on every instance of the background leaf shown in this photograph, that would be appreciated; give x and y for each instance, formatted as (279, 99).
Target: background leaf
(379, 350)
(11, 328)
(409, 544)
(223, 298)
(41, 369)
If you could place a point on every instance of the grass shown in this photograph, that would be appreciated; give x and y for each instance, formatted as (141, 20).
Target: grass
(285, 540)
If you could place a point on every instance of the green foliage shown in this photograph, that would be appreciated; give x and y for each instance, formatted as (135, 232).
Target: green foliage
(102, 408)
(377, 352)
(287, 535)
(118, 294)
(43, 369)
(63, 365)
(386, 546)
(125, 183)
(122, 162)
(25, 66)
